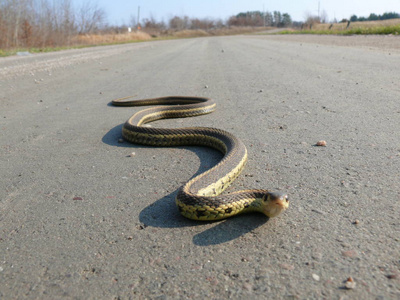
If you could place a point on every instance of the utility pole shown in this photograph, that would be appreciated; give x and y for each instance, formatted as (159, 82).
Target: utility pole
(138, 16)
(318, 8)
(264, 13)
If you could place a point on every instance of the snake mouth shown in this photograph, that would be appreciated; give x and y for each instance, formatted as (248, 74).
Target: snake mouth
(280, 200)
(280, 203)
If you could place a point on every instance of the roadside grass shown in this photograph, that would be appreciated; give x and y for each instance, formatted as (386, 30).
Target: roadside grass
(92, 40)
(99, 39)
(363, 28)
(84, 41)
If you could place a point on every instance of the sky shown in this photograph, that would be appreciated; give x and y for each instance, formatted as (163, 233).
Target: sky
(119, 12)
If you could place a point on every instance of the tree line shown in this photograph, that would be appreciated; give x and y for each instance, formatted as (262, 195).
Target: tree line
(375, 17)
(250, 18)
(258, 18)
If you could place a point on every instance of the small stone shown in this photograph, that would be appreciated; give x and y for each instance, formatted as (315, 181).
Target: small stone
(141, 226)
(350, 283)
(350, 253)
(356, 222)
(287, 266)
(321, 143)
(206, 86)
(315, 277)
(132, 154)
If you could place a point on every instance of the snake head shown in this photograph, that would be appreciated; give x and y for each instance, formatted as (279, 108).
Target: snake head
(274, 203)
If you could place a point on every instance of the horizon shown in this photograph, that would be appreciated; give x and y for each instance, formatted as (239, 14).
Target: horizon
(120, 12)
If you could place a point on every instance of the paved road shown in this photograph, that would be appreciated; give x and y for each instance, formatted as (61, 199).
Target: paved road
(80, 218)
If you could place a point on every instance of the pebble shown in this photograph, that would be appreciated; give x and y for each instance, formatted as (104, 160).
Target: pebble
(321, 143)
(132, 154)
(141, 226)
(350, 253)
(287, 266)
(315, 277)
(392, 276)
(206, 86)
(350, 283)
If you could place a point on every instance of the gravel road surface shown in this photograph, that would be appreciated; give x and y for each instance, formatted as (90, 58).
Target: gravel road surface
(81, 217)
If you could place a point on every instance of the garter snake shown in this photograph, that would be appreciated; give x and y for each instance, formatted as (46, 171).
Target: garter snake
(200, 198)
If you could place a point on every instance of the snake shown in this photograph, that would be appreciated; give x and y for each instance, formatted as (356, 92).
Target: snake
(201, 197)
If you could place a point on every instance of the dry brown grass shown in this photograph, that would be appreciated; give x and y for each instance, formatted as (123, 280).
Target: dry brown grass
(98, 39)
(190, 33)
(219, 31)
(120, 38)
(238, 30)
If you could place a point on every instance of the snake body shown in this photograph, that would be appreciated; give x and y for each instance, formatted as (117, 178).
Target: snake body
(200, 198)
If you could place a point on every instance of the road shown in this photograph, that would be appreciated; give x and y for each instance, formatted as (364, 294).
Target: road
(84, 218)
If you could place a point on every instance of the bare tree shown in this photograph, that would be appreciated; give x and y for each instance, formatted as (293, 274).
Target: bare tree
(311, 20)
(269, 20)
(42, 23)
(90, 17)
(204, 24)
(176, 23)
(323, 17)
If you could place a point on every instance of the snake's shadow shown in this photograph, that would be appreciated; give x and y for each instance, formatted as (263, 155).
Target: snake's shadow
(163, 213)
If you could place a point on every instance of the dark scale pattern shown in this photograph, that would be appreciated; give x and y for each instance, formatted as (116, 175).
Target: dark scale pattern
(190, 204)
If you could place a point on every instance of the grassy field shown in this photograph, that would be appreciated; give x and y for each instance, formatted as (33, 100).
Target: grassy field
(368, 27)
(81, 41)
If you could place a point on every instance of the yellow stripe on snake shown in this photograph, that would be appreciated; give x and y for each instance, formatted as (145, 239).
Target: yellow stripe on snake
(200, 198)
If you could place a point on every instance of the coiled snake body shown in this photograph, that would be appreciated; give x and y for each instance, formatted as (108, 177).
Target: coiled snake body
(200, 198)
